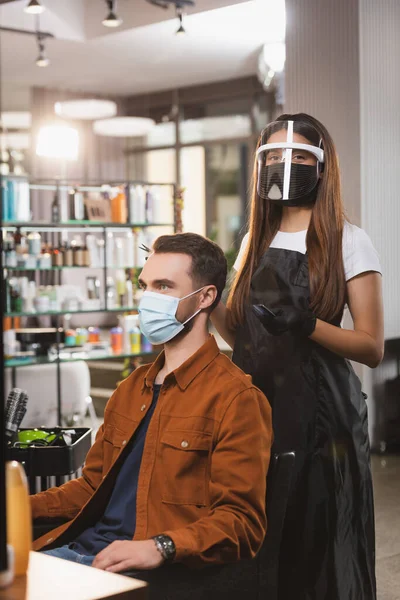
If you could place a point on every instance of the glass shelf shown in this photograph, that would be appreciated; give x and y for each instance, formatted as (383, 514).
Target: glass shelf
(44, 360)
(89, 186)
(70, 312)
(73, 224)
(62, 268)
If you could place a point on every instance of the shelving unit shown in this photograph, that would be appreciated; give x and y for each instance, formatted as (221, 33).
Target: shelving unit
(85, 226)
(43, 226)
(60, 313)
(44, 360)
(63, 268)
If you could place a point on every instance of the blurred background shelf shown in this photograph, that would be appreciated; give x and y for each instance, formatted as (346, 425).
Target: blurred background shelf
(44, 360)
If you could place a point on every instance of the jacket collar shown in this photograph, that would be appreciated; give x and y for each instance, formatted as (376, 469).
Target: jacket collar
(189, 370)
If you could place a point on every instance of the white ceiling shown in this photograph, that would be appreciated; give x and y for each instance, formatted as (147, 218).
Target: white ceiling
(141, 56)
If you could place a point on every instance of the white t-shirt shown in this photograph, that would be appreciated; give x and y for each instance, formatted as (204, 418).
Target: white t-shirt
(359, 255)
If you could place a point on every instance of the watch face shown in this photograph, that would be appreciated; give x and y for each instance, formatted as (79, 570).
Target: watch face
(170, 548)
(167, 545)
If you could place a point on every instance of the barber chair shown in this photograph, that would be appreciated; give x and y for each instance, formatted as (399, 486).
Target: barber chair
(255, 579)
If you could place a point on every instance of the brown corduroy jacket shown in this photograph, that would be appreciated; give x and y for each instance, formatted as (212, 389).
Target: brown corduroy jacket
(202, 479)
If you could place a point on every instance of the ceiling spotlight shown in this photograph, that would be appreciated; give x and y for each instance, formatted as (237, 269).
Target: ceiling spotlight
(42, 60)
(179, 5)
(181, 27)
(112, 20)
(34, 8)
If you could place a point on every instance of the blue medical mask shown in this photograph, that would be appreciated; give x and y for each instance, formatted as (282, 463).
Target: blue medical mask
(157, 316)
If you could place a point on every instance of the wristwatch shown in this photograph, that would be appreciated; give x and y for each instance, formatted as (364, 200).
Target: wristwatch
(165, 546)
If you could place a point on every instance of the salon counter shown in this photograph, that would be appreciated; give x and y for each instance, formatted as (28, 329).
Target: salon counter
(49, 577)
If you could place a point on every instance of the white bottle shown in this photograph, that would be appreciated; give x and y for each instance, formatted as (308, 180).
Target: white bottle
(100, 250)
(111, 293)
(24, 291)
(91, 244)
(31, 295)
(110, 250)
(119, 253)
(129, 250)
(137, 195)
(129, 293)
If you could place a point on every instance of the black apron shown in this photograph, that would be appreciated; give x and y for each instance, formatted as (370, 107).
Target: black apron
(319, 411)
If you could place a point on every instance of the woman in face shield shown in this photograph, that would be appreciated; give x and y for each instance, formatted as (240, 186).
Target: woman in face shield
(299, 265)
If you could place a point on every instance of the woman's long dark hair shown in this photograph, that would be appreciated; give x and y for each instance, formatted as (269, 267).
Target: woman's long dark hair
(324, 236)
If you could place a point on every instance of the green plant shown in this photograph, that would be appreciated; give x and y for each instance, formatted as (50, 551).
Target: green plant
(230, 256)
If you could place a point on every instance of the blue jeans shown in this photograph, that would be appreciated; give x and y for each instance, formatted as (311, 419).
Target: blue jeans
(67, 554)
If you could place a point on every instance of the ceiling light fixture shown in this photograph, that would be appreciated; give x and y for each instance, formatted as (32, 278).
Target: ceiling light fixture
(16, 120)
(180, 5)
(34, 8)
(87, 109)
(42, 60)
(181, 27)
(112, 20)
(123, 126)
(58, 141)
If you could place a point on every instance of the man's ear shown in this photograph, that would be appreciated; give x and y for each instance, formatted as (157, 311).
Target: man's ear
(208, 296)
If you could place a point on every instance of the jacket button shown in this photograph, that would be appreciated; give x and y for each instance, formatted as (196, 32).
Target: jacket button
(143, 407)
(184, 444)
(124, 442)
(49, 540)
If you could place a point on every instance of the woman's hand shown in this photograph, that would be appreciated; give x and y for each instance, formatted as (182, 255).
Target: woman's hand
(364, 344)
(286, 319)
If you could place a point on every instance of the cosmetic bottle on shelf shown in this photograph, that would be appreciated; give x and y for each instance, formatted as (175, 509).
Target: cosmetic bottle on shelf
(55, 208)
(68, 256)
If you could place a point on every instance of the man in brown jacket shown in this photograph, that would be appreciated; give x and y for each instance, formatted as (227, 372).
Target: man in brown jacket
(178, 469)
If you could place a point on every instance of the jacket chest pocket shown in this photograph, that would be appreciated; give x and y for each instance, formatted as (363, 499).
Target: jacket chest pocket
(185, 459)
(114, 440)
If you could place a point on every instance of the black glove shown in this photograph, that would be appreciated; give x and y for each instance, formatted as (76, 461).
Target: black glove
(288, 319)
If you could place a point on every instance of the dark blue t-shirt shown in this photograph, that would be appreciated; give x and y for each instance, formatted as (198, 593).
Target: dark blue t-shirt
(119, 519)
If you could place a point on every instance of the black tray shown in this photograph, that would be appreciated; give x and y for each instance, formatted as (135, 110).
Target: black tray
(47, 461)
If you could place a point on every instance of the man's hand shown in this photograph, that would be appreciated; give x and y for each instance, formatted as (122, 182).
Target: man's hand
(125, 555)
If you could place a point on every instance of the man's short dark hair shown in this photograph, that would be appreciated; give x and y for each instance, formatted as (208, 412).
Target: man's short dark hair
(209, 265)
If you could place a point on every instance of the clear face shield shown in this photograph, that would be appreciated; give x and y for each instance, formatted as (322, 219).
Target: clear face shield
(288, 171)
